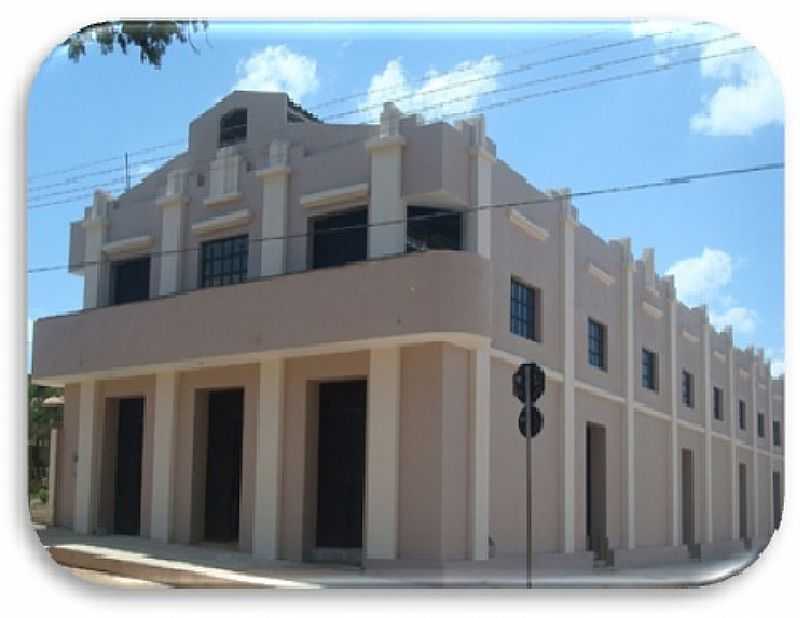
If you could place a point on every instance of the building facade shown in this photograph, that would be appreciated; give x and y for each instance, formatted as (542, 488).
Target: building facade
(298, 338)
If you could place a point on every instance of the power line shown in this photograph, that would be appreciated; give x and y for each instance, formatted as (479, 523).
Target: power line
(626, 188)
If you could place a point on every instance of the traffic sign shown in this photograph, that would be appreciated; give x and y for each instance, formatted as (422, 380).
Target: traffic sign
(537, 379)
(537, 422)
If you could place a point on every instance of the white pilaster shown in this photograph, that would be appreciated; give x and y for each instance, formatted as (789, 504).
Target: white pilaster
(274, 209)
(628, 427)
(385, 187)
(478, 223)
(569, 221)
(383, 447)
(164, 430)
(756, 481)
(94, 225)
(171, 204)
(732, 424)
(707, 412)
(480, 425)
(269, 429)
(673, 425)
(52, 476)
(85, 499)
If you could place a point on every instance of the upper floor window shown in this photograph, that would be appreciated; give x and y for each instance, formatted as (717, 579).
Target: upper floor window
(687, 389)
(760, 425)
(597, 344)
(433, 228)
(338, 238)
(223, 261)
(649, 369)
(742, 415)
(233, 127)
(776, 433)
(130, 280)
(718, 403)
(524, 310)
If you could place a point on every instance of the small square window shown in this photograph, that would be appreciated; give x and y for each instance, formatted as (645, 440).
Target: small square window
(687, 389)
(649, 369)
(524, 310)
(597, 344)
(223, 262)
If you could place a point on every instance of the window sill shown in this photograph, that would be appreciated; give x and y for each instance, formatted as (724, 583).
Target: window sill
(219, 200)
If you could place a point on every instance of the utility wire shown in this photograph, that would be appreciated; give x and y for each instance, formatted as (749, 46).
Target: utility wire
(626, 188)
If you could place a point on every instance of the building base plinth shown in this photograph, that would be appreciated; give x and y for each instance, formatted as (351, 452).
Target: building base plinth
(644, 556)
(717, 551)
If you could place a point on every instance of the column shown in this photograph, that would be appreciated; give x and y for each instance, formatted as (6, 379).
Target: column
(383, 445)
(164, 429)
(770, 438)
(385, 187)
(269, 429)
(172, 204)
(732, 412)
(52, 475)
(94, 226)
(478, 224)
(86, 485)
(674, 448)
(569, 221)
(274, 209)
(707, 410)
(480, 434)
(754, 386)
(628, 428)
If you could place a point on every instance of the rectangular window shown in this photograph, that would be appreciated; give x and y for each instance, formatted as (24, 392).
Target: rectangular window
(130, 280)
(524, 310)
(718, 403)
(742, 415)
(760, 424)
(776, 433)
(597, 344)
(433, 228)
(223, 261)
(687, 389)
(649, 369)
(338, 238)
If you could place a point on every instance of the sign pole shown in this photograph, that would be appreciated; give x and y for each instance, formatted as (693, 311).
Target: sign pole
(528, 479)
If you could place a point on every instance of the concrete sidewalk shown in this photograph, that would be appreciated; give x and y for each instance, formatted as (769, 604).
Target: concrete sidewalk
(200, 566)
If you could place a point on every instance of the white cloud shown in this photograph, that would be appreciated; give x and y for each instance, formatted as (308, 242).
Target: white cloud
(454, 92)
(742, 319)
(777, 363)
(747, 96)
(278, 69)
(699, 280)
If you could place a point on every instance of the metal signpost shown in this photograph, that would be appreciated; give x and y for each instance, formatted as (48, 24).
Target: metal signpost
(528, 386)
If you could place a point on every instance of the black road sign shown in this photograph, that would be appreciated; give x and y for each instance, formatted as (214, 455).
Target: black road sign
(537, 422)
(537, 379)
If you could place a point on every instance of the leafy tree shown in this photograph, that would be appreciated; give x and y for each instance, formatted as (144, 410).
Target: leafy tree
(151, 37)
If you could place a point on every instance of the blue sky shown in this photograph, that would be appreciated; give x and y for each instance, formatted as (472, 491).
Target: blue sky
(723, 238)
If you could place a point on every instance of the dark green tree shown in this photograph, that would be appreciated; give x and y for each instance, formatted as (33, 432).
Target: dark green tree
(151, 37)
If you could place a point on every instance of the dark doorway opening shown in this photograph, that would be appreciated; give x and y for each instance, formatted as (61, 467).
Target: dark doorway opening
(742, 501)
(224, 465)
(596, 490)
(130, 280)
(687, 495)
(339, 238)
(128, 478)
(341, 464)
(777, 500)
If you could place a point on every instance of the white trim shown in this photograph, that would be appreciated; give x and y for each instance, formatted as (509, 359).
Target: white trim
(85, 483)
(269, 173)
(164, 432)
(601, 275)
(135, 243)
(690, 337)
(480, 452)
(514, 359)
(225, 198)
(720, 356)
(223, 222)
(335, 196)
(599, 391)
(527, 226)
(379, 142)
(652, 310)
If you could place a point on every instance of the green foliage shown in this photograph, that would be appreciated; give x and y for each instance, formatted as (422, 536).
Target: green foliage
(40, 418)
(151, 37)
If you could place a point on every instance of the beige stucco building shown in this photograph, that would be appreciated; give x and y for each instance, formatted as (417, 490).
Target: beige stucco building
(349, 398)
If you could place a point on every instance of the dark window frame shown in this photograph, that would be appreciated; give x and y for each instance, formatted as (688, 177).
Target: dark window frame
(233, 127)
(650, 369)
(597, 344)
(224, 261)
(524, 310)
(353, 234)
(114, 291)
(742, 415)
(761, 425)
(687, 388)
(420, 237)
(776, 433)
(718, 400)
